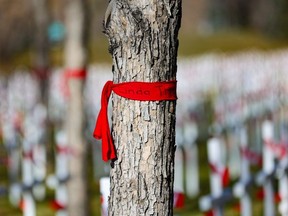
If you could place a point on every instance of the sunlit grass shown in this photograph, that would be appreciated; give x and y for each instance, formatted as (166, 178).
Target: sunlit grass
(189, 45)
(226, 41)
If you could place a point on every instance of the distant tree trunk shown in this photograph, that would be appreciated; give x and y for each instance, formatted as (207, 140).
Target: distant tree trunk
(41, 45)
(75, 61)
(230, 13)
(263, 7)
(217, 14)
(143, 37)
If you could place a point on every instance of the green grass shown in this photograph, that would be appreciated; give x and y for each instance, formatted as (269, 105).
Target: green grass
(189, 45)
(227, 42)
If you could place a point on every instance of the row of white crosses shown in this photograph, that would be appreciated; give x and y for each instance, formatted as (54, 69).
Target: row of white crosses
(186, 150)
(33, 159)
(10, 134)
(283, 172)
(23, 128)
(219, 177)
(22, 99)
(238, 78)
(246, 85)
(273, 150)
(196, 77)
(57, 106)
(241, 108)
(61, 176)
(242, 187)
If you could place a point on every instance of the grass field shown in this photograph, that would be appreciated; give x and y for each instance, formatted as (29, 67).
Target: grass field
(189, 45)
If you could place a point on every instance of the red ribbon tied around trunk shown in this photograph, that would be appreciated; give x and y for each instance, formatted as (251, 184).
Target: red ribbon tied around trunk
(142, 91)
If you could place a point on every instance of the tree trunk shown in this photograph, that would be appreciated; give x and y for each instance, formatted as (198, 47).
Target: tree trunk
(143, 37)
(41, 46)
(75, 60)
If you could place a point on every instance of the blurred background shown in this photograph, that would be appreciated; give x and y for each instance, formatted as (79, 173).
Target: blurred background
(207, 26)
(232, 74)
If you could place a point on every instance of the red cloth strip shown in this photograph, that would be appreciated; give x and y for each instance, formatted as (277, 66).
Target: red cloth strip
(179, 200)
(251, 156)
(56, 205)
(223, 172)
(142, 91)
(79, 74)
(76, 73)
(64, 150)
(279, 149)
(28, 155)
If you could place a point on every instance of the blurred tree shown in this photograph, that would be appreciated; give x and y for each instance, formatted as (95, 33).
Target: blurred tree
(75, 64)
(264, 17)
(282, 19)
(143, 38)
(217, 14)
(15, 27)
(239, 12)
(230, 13)
(270, 17)
(41, 46)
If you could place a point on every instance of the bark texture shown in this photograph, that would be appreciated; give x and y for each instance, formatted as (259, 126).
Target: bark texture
(143, 37)
(75, 59)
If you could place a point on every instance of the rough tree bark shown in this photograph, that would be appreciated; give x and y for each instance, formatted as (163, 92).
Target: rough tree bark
(143, 37)
(75, 59)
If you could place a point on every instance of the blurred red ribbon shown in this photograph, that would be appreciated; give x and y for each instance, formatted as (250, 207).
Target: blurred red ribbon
(76, 73)
(142, 91)
(223, 172)
(251, 156)
(56, 205)
(79, 74)
(279, 149)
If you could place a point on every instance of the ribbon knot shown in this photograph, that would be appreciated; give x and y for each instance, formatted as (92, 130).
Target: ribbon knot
(102, 130)
(142, 91)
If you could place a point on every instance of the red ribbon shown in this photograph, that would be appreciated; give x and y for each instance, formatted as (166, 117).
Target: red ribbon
(251, 156)
(22, 205)
(72, 74)
(76, 73)
(223, 172)
(142, 91)
(64, 150)
(279, 149)
(56, 205)
(209, 213)
(179, 200)
(28, 155)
